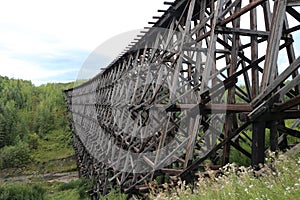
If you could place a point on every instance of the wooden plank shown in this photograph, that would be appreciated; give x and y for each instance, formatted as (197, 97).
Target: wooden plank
(197, 161)
(289, 86)
(288, 104)
(171, 171)
(292, 56)
(289, 131)
(191, 143)
(230, 7)
(243, 32)
(149, 162)
(293, 13)
(228, 127)
(209, 107)
(293, 2)
(245, 9)
(210, 62)
(270, 67)
(277, 82)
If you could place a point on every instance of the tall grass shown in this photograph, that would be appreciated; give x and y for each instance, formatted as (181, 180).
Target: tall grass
(22, 192)
(278, 179)
(81, 185)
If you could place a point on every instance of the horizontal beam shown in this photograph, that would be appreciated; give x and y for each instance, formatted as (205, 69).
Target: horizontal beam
(293, 2)
(209, 107)
(277, 82)
(288, 104)
(242, 11)
(289, 131)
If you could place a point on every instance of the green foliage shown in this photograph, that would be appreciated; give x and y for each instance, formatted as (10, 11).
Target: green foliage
(32, 140)
(29, 113)
(55, 141)
(22, 192)
(26, 109)
(71, 185)
(65, 195)
(15, 156)
(113, 195)
(81, 185)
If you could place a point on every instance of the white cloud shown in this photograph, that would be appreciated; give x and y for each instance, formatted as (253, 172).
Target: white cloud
(33, 32)
(28, 71)
(33, 29)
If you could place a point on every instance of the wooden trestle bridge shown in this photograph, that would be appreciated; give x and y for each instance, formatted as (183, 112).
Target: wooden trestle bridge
(209, 78)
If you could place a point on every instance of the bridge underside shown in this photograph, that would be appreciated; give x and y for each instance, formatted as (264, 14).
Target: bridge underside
(211, 81)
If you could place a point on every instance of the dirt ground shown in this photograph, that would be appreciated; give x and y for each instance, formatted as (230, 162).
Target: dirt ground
(49, 177)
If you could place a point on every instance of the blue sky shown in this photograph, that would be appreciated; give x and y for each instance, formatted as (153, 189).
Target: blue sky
(49, 41)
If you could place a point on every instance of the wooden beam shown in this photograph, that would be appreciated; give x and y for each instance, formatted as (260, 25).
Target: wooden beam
(289, 131)
(258, 143)
(171, 171)
(208, 107)
(293, 2)
(288, 104)
(245, 9)
(270, 67)
(277, 82)
(294, 13)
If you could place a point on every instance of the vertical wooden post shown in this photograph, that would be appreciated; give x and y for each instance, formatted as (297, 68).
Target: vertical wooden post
(254, 52)
(273, 137)
(258, 143)
(231, 91)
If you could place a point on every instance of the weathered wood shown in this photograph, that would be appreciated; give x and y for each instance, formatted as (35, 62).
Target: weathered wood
(258, 143)
(186, 90)
(242, 11)
(270, 68)
(277, 82)
(293, 3)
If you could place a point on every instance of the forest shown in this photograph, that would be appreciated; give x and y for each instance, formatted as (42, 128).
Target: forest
(28, 114)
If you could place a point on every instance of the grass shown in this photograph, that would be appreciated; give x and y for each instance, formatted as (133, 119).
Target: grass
(235, 183)
(54, 142)
(73, 190)
(278, 179)
(43, 190)
(54, 153)
(65, 195)
(22, 192)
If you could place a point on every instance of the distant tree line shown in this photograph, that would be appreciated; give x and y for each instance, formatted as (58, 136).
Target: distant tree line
(27, 113)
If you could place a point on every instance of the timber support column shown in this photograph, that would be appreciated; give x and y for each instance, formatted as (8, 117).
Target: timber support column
(273, 137)
(258, 143)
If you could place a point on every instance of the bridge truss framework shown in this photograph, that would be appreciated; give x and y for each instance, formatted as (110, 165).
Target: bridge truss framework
(208, 78)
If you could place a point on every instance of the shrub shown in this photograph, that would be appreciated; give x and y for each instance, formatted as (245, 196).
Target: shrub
(81, 185)
(69, 186)
(22, 192)
(277, 179)
(13, 156)
(33, 141)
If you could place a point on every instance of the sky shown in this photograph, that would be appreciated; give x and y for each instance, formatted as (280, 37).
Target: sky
(50, 41)
(53, 40)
